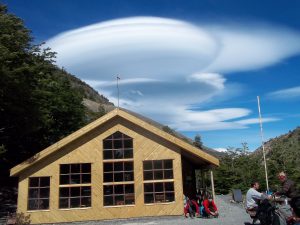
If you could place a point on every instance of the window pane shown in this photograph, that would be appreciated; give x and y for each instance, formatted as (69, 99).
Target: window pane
(117, 135)
(168, 174)
(107, 144)
(63, 203)
(107, 154)
(75, 168)
(65, 169)
(33, 193)
(108, 167)
(108, 200)
(128, 166)
(147, 165)
(118, 144)
(118, 177)
(118, 154)
(44, 192)
(128, 144)
(108, 177)
(75, 179)
(64, 192)
(75, 191)
(119, 200)
(86, 168)
(158, 175)
(129, 199)
(44, 204)
(75, 202)
(119, 189)
(128, 154)
(64, 179)
(45, 182)
(129, 188)
(86, 202)
(149, 198)
(85, 191)
(33, 182)
(85, 178)
(158, 187)
(159, 197)
(118, 166)
(148, 175)
(33, 204)
(169, 186)
(157, 164)
(108, 190)
(170, 197)
(128, 176)
(148, 187)
(168, 164)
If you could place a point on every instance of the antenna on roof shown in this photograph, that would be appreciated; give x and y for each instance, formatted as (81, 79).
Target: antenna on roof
(262, 144)
(118, 78)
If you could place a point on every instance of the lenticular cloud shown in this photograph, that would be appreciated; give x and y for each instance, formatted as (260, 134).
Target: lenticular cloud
(170, 68)
(135, 47)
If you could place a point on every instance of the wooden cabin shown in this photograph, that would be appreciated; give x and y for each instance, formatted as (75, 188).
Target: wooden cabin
(119, 166)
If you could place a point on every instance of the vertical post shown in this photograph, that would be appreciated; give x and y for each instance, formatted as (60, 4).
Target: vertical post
(118, 78)
(212, 184)
(262, 144)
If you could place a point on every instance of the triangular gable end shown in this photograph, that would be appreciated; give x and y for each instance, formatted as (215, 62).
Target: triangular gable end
(127, 116)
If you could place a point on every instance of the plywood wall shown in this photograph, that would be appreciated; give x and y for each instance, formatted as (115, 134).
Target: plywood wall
(88, 149)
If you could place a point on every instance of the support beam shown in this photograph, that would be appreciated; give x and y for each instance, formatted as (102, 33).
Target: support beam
(212, 184)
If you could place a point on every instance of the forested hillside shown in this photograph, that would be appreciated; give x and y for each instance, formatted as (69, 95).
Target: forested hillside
(39, 102)
(239, 167)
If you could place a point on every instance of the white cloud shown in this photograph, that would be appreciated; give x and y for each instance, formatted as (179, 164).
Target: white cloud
(170, 68)
(221, 149)
(284, 94)
(256, 120)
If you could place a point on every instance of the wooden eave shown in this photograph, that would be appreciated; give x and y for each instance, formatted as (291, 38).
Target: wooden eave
(127, 116)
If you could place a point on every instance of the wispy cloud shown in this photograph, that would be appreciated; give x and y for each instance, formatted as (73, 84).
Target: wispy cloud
(285, 94)
(167, 66)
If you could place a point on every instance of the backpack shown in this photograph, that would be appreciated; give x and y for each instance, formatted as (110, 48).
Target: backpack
(266, 213)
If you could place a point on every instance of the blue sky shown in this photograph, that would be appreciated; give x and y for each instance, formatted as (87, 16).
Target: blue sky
(196, 66)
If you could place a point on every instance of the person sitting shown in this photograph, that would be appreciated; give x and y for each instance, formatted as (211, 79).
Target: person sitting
(253, 197)
(288, 187)
(191, 207)
(209, 208)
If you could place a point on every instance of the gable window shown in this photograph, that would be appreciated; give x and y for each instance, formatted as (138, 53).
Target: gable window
(158, 181)
(118, 174)
(38, 193)
(75, 186)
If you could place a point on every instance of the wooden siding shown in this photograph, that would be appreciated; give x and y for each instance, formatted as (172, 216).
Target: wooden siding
(88, 149)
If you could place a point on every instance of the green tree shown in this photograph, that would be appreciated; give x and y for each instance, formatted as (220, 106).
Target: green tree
(198, 142)
(38, 105)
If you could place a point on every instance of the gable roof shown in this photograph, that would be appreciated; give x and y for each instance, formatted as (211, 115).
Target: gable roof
(137, 119)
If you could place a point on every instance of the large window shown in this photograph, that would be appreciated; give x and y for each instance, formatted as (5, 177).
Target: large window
(118, 175)
(158, 181)
(38, 193)
(75, 185)
(117, 146)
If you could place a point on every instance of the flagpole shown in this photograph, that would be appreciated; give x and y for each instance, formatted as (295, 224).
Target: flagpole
(118, 78)
(262, 143)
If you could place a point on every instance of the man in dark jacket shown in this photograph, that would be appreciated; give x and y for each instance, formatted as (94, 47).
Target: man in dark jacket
(288, 187)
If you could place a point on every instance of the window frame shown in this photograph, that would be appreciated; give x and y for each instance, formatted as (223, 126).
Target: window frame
(39, 187)
(113, 183)
(79, 185)
(163, 181)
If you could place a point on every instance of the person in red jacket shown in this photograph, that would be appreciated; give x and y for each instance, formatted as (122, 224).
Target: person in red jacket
(209, 207)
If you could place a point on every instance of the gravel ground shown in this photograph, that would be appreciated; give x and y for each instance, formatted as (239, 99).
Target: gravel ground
(230, 214)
